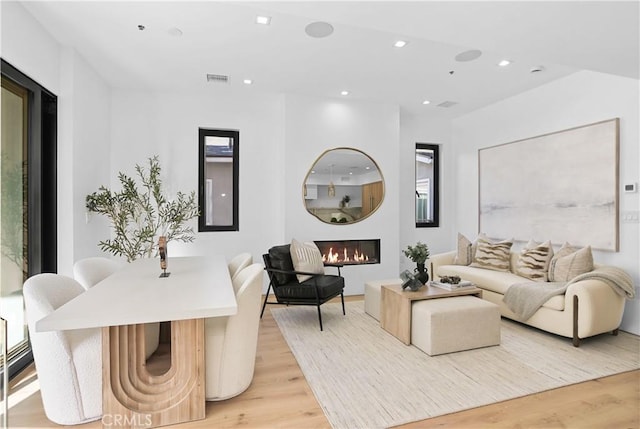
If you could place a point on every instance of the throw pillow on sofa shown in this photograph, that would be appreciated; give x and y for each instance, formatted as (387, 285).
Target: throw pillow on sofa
(533, 261)
(306, 257)
(492, 255)
(465, 251)
(569, 262)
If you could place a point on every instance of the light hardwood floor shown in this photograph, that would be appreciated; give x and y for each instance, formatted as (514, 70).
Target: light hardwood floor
(279, 397)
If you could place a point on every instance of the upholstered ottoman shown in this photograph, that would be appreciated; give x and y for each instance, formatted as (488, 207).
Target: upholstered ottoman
(446, 325)
(372, 295)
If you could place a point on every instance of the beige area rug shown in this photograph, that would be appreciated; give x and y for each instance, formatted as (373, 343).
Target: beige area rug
(363, 377)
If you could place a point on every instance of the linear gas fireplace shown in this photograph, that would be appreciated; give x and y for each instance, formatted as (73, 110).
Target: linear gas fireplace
(350, 252)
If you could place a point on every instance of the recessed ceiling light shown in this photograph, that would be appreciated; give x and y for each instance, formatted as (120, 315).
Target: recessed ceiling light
(400, 44)
(247, 81)
(344, 93)
(504, 63)
(319, 29)
(264, 20)
(426, 102)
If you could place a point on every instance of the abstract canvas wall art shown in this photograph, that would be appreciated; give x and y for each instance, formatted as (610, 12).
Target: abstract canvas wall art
(561, 187)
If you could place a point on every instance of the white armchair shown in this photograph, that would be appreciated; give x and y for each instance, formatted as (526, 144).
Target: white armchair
(69, 363)
(90, 271)
(231, 342)
(239, 262)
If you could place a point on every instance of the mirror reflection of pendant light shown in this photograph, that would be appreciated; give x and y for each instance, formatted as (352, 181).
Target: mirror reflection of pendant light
(331, 189)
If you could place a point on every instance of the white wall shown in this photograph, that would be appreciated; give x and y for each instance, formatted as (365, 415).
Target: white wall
(90, 168)
(279, 141)
(166, 124)
(83, 119)
(29, 47)
(578, 99)
(416, 129)
(313, 125)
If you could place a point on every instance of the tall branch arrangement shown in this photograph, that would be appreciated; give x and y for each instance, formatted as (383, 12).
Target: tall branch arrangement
(139, 214)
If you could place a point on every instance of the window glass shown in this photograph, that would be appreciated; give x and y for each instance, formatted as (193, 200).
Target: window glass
(427, 186)
(218, 188)
(28, 202)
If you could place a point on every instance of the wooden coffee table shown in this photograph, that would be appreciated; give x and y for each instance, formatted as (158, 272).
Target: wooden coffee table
(395, 306)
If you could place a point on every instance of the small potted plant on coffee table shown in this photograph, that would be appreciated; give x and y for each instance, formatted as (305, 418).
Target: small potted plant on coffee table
(419, 254)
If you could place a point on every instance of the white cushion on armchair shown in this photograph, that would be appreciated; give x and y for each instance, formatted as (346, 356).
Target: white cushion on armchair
(68, 363)
(231, 342)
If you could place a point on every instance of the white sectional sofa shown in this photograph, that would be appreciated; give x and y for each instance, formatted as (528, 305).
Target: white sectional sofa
(588, 307)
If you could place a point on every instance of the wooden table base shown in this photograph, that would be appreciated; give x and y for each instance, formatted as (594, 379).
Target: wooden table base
(134, 398)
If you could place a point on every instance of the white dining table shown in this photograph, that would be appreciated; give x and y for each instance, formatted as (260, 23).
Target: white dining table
(197, 288)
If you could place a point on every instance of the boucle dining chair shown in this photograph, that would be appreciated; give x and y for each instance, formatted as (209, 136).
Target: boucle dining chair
(239, 262)
(231, 342)
(90, 271)
(68, 363)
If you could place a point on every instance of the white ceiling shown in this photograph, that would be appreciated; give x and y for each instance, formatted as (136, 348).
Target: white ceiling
(222, 38)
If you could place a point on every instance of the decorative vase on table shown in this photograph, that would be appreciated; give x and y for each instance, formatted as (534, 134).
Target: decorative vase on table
(419, 254)
(422, 273)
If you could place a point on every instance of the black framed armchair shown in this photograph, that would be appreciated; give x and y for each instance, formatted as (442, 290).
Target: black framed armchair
(283, 279)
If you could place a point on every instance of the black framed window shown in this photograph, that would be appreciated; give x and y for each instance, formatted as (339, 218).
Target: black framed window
(427, 191)
(218, 179)
(28, 203)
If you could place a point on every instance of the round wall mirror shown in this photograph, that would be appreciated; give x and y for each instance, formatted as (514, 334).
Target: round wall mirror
(343, 186)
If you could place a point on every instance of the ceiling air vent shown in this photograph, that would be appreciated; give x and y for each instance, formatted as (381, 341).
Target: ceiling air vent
(217, 78)
(447, 104)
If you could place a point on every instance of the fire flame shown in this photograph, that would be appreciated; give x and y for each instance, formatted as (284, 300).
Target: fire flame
(333, 258)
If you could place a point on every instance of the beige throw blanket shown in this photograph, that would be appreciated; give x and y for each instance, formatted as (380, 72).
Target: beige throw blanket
(524, 299)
